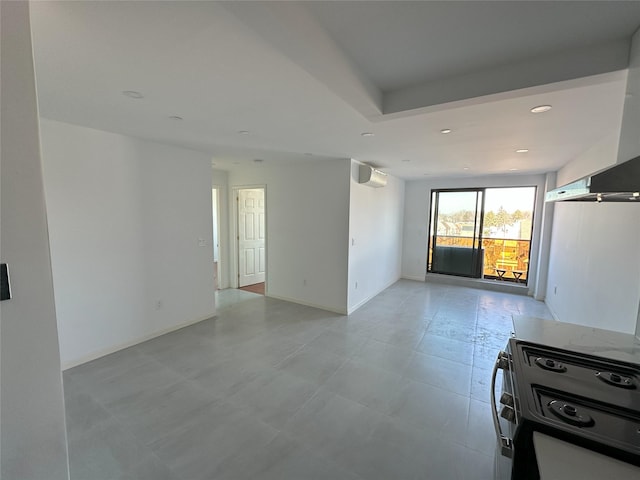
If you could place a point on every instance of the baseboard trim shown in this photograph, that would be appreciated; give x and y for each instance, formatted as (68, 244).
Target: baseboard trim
(553, 313)
(341, 311)
(411, 277)
(350, 310)
(121, 346)
(495, 286)
(359, 304)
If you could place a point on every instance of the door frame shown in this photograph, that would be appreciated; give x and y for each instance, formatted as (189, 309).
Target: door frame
(223, 235)
(536, 214)
(233, 281)
(478, 220)
(217, 227)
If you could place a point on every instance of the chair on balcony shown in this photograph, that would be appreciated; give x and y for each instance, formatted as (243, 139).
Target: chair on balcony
(504, 265)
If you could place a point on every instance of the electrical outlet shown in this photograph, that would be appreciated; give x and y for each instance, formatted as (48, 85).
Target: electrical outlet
(555, 290)
(304, 282)
(158, 304)
(356, 285)
(202, 242)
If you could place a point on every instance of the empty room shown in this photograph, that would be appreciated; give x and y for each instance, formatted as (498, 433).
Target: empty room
(320, 240)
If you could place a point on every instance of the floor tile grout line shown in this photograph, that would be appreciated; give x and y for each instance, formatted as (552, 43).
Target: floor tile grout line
(482, 342)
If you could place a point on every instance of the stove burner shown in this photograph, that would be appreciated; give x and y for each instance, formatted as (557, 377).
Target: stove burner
(550, 364)
(616, 380)
(570, 414)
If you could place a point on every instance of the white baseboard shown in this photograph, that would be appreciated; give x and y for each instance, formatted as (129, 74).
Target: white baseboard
(121, 346)
(553, 314)
(350, 310)
(480, 283)
(341, 311)
(410, 277)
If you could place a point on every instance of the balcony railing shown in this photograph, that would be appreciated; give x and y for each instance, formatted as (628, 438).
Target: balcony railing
(504, 259)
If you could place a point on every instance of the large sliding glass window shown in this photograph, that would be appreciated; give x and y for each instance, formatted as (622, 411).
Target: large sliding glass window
(456, 232)
(481, 232)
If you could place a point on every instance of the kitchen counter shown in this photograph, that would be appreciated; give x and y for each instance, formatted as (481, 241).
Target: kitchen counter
(578, 338)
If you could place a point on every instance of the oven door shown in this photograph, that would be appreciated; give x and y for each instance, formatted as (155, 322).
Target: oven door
(505, 415)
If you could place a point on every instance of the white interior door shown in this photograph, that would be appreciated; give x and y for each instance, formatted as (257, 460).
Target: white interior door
(251, 237)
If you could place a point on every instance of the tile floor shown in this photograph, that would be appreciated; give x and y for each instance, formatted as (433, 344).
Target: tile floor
(274, 390)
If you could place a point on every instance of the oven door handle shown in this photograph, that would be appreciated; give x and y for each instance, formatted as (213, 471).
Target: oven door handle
(505, 443)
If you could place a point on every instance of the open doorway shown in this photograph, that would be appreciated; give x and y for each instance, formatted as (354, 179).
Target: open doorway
(251, 239)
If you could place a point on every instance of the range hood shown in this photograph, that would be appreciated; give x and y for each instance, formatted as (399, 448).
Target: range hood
(619, 183)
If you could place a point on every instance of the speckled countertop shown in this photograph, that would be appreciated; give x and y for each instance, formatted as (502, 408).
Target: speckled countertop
(578, 338)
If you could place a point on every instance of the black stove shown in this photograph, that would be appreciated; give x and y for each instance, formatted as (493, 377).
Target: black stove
(582, 399)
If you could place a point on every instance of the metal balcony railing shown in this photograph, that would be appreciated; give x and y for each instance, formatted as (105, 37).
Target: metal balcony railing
(505, 259)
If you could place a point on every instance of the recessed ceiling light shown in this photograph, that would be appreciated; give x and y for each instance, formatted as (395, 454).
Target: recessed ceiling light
(466, 168)
(541, 109)
(258, 160)
(132, 94)
(406, 160)
(175, 117)
(445, 131)
(243, 132)
(522, 150)
(513, 169)
(367, 134)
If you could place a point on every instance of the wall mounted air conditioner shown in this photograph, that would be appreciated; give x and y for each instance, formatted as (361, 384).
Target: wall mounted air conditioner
(372, 177)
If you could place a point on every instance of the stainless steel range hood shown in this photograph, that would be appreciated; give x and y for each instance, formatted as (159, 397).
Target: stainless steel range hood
(619, 183)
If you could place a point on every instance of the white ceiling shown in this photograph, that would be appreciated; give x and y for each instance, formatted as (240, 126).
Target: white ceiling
(307, 78)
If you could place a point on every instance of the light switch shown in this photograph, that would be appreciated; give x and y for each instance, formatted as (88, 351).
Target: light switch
(5, 289)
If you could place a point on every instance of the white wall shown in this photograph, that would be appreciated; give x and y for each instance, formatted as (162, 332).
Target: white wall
(546, 230)
(629, 145)
(416, 217)
(599, 156)
(125, 218)
(307, 219)
(594, 269)
(594, 273)
(33, 437)
(375, 235)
